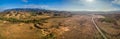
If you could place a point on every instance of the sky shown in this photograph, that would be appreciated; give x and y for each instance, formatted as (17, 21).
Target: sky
(63, 5)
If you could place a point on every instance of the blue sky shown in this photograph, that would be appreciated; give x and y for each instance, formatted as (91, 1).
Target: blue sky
(67, 5)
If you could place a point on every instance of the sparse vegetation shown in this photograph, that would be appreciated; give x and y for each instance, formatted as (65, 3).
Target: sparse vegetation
(13, 20)
(24, 24)
(50, 36)
(111, 28)
(108, 20)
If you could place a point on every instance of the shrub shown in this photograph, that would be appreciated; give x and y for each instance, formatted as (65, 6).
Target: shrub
(13, 20)
(108, 20)
(50, 36)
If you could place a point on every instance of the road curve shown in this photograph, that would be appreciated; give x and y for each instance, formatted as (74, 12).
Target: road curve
(99, 30)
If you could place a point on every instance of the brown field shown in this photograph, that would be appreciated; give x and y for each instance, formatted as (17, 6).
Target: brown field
(80, 27)
(24, 25)
(110, 26)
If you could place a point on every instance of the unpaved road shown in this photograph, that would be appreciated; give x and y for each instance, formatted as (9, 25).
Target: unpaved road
(80, 27)
(96, 26)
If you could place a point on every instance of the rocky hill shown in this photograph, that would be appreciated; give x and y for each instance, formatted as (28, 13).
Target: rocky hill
(32, 24)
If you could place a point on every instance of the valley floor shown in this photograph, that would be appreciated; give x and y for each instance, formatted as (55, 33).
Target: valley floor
(75, 27)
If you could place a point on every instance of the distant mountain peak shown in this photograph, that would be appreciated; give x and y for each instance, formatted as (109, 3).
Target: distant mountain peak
(25, 9)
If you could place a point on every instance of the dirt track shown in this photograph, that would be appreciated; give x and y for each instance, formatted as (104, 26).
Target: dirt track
(80, 27)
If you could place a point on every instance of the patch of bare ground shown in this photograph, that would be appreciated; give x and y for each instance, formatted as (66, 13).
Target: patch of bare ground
(80, 27)
(48, 30)
(16, 31)
(111, 31)
(32, 24)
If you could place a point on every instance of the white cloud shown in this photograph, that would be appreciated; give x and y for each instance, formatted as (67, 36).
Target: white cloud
(2, 8)
(35, 6)
(25, 0)
(116, 2)
(99, 5)
(80, 5)
(40, 6)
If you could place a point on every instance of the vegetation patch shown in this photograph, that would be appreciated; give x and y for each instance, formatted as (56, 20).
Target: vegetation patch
(108, 20)
(13, 20)
(50, 36)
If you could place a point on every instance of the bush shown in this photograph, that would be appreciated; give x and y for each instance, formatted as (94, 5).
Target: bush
(108, 20)
(13, 20)
(50, 36)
